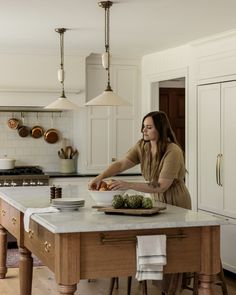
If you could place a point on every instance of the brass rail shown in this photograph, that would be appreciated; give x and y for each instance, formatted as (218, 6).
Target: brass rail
(134, 239)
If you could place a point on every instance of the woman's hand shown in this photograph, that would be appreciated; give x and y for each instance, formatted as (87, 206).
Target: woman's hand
(119, 185)
(94, 183)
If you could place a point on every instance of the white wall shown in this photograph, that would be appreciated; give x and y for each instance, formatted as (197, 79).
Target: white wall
(31, 80)
(166, 65)
(203, 61)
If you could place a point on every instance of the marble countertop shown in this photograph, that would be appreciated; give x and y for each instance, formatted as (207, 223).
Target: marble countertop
(87, 219)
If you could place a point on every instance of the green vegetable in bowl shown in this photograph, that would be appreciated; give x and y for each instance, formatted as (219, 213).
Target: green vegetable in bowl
(118, 201)
(147, 203)
(131, 202)
(134, 202)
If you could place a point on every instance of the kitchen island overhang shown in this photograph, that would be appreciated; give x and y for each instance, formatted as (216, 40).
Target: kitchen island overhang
(89, 244)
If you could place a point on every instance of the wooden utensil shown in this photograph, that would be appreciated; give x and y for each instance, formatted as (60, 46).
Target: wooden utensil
(74, 153)
(68, 152)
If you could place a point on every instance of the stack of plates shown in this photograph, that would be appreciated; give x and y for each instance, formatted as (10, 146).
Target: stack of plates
(68, 204)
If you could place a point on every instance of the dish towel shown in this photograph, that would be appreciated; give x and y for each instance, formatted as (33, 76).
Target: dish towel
(150, 257)
(30, 211)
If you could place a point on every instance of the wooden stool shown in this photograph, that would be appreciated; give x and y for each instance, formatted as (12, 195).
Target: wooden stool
(115, 280)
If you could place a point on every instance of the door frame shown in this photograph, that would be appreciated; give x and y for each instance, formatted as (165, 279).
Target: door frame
(152, 102)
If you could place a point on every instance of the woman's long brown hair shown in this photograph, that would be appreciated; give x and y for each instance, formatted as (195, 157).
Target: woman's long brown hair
(165, 132)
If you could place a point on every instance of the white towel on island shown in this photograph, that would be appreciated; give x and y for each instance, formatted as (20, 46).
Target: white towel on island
(151, 257)
(30, 211)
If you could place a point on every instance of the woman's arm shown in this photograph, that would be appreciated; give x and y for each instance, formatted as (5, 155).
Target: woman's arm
(160, 187)
(113, 169)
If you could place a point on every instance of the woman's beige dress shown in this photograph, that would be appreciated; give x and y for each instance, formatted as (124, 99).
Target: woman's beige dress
(170, 166)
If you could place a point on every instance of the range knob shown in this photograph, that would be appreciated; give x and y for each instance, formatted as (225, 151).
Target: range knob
(6, 183)
(24, 183)
(32, 182)
(39, 182)
(13, 183)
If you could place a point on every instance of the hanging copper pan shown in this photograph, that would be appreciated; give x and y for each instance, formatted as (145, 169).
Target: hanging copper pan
(51, 135)
(37, 131)
(13, 123)
(23, 131)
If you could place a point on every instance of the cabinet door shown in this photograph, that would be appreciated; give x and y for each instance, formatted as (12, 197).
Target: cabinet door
(210, 195)
(228, 107)
(112, 130)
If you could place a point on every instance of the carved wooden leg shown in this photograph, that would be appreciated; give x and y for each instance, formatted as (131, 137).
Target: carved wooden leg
(25, 271)
(3, 252)
(129, 282)
(117, 282)
(205, 284)
(67, 289)
(144, 287)
(111, 287)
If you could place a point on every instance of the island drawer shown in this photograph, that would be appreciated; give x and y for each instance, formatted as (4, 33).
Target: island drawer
(41, 242)
(98, 249)
(10, 219)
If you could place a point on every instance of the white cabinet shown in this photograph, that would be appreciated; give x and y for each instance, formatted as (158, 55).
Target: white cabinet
(112, 130)
(217, 146)
(217, 158)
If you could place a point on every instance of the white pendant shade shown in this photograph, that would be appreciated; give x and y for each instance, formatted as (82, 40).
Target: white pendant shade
(62, 103)
(108, 98)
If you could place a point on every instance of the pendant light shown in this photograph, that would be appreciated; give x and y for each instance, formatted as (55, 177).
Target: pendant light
(62, 103)
(108, 97)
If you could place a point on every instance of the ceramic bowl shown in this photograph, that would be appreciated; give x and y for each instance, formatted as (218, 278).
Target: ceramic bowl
(104, 198)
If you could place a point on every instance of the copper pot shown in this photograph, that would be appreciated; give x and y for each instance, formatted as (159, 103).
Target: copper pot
(51, 135)
(23, 131)
(13, 123)
(37, 131)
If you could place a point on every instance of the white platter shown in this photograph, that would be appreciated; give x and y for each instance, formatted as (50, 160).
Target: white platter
(68, 201)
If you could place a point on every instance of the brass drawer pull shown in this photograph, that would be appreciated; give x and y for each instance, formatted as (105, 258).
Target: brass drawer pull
(13, 220)
(134, 239)
(47, 246)
(4, 212)
(31, 234)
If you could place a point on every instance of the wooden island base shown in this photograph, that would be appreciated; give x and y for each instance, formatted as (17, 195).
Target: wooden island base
(74, 253)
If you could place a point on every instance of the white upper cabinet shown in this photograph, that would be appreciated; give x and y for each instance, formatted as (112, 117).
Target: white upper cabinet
(112, 130)
(216, 148)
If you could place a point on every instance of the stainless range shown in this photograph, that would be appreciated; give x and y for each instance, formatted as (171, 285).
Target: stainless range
(23, 176)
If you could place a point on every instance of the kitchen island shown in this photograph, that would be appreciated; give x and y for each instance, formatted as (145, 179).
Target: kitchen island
(90, 244)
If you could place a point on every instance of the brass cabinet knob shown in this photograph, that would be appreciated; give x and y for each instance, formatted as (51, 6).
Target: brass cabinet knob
(31, 234)
(47, 246)
(13, 220)
(4, 212)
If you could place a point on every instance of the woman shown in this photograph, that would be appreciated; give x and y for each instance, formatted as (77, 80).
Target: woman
(161, 160)
(162, 166)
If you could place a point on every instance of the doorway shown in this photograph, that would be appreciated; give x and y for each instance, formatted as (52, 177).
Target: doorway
(172, 102)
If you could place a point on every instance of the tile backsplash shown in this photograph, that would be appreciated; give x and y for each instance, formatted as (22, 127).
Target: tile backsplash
(31, 151)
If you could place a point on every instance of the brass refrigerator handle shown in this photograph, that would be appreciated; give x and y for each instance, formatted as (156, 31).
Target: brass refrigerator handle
(220, 183)
(217, 169)
(134, 239)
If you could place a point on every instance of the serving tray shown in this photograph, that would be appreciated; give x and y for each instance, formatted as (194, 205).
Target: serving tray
(140, 212)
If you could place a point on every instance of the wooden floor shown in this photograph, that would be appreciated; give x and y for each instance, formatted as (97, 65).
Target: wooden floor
(43, 284)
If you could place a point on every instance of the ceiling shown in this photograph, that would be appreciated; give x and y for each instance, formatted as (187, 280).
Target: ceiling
(138, 27)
